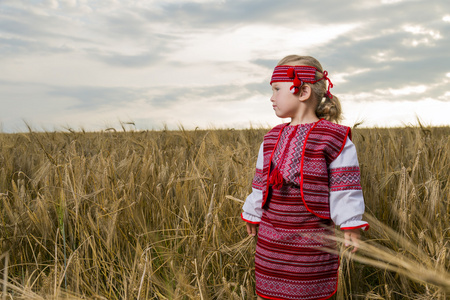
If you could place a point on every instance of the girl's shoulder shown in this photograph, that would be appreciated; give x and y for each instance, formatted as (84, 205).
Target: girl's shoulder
(276, 129)
(324, 124)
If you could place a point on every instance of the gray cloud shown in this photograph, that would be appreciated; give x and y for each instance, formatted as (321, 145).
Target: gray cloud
(130, 37)
(87, 97)
(126, 61)
(215, 94)
(35, 33)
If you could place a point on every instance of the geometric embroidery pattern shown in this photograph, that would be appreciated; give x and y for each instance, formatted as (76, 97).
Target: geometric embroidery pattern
(258, 181)
(345, 178)
(290, 260)
(288, 154)
(325, 142)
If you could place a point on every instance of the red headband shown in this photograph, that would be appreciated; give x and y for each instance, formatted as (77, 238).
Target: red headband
(297, 75)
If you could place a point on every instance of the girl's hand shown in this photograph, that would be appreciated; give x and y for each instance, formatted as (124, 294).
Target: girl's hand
(352, 235)
(252, 229)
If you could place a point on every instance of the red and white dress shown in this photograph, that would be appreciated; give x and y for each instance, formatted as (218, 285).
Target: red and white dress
(290, 262)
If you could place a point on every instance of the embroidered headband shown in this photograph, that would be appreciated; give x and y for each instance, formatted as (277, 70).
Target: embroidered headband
(299, 74)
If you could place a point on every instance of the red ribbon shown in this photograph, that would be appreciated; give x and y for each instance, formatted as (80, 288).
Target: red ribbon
(330, 84)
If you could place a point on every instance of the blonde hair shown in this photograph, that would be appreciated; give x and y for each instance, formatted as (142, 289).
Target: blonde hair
(327, 108)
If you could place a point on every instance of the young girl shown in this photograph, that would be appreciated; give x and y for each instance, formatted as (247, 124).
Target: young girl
(307, 181)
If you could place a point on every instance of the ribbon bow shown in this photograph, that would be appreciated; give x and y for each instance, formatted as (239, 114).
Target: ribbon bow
(297, 82)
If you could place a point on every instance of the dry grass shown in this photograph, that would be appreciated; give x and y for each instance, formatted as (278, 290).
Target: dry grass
(155, 215)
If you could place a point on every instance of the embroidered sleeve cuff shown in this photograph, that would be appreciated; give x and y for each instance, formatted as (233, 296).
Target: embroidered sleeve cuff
(355, 224)
(250, 218)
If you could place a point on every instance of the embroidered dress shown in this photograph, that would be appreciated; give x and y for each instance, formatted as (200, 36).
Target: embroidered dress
(290, 262)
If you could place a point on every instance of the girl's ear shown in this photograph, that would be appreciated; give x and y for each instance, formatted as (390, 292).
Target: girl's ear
(305, 92)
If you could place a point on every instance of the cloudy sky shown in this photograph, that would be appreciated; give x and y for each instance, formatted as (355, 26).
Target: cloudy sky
(201, 63)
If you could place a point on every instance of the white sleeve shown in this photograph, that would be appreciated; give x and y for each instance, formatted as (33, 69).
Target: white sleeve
(252, 207)
(346, 197)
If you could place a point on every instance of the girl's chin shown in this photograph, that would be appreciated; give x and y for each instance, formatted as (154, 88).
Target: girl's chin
(280, 115)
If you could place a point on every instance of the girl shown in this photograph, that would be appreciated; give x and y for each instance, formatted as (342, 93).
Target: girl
(307, 180)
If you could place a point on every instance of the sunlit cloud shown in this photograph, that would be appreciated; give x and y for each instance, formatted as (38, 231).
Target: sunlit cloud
(345, 77)
(408, 90)
(231, 44)
(390, 1)
(417, 29)
(385, 56)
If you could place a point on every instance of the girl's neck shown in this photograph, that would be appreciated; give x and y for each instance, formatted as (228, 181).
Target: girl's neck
(304, 119)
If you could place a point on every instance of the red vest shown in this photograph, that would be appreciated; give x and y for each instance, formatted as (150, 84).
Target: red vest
(323, 143)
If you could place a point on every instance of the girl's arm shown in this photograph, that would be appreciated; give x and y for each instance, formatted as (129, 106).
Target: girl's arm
(252, 207)
(346, 197)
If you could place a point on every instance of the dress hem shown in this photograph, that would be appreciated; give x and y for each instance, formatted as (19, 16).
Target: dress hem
(273, 298)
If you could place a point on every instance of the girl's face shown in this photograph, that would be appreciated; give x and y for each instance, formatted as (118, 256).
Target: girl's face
(285, 104)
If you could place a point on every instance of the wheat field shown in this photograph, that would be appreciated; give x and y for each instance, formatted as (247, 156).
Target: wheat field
(155, 215)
